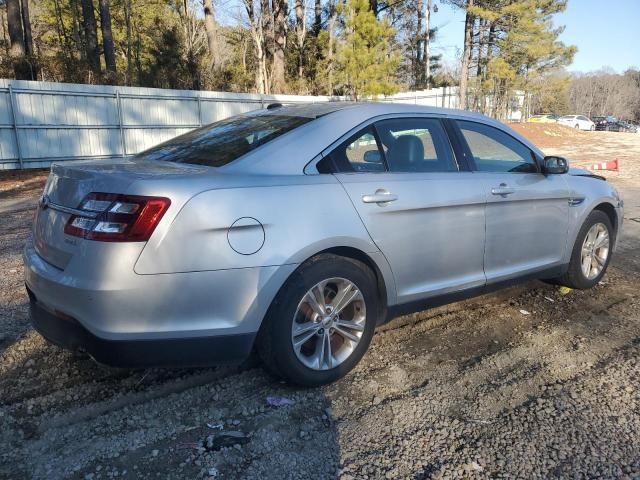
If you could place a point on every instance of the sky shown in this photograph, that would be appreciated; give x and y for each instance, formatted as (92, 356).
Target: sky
(606, 32)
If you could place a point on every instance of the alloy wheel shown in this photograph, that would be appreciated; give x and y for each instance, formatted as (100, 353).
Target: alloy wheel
(595, 251)
(328, 323)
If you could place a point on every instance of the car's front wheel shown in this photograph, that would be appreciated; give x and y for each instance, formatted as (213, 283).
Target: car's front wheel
(321, 322)
(591, 252)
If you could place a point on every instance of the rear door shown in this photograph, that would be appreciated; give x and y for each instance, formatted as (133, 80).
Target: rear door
(422, 209)
(527, 212)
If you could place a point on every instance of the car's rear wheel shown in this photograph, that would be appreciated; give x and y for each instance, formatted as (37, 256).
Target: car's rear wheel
(321, 322)
(591, 252)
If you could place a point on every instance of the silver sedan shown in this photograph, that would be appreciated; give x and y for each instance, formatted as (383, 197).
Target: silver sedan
(297, 230)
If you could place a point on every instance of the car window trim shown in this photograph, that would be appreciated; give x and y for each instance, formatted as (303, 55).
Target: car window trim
(469, 154)
(310, 167)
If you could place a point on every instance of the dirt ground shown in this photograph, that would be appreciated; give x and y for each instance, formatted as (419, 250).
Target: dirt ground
(525, 383)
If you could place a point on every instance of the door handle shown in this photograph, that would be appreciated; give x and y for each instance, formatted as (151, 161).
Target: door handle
(381, 197)
(502, 190)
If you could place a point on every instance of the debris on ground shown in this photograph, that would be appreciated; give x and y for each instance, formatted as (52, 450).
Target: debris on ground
(564, 290)
(227, 439)
(279, 401)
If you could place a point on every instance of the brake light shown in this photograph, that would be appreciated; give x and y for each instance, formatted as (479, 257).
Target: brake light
(110, 217)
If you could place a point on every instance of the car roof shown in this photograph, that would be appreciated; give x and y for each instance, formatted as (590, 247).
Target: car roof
(289, 153)
(315, 110)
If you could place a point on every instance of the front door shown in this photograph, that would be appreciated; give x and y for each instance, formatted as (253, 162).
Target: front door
(527, 212)
(425, 215)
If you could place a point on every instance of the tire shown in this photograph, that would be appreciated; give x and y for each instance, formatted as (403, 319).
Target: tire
(577, 127)
(575, 276)
(303, 366)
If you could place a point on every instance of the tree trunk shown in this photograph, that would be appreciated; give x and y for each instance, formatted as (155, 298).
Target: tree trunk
(107, 36)
(333, 18)
(17, 49)
(26, 23)
(279, 45)
(301, 33)
(427, 50)
(127, 22)
(466, 57)
(91, 35)
(76, 31)
(317, 20)
(257, 22)
(374, 7)
(210, 27)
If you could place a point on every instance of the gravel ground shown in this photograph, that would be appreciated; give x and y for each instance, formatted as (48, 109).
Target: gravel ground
(525, 383)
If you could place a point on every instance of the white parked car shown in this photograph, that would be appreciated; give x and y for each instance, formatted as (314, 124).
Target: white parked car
(577, 121)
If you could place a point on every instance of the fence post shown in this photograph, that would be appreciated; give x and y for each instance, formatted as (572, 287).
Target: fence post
(199, 110)
(122, 143)
(12, 100)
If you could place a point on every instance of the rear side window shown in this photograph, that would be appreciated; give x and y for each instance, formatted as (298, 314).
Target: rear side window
(223, 142)
(415, 145)
(359, 153)
(495, 151)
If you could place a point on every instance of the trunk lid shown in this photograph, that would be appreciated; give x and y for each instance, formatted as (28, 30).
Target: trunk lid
(69, 184)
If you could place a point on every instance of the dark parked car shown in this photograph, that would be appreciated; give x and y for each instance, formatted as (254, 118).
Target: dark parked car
(608, 123)
(627, 127)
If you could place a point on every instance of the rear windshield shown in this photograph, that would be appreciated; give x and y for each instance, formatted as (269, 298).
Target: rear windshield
(222, 142)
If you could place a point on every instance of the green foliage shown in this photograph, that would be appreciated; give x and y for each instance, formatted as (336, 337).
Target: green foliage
(366, 63)
(522, 49)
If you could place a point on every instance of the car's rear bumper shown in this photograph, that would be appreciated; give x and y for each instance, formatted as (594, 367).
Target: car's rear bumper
(126, 319)
(68, 333)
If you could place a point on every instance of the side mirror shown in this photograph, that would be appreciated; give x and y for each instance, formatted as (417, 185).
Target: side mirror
(555, 165)
(372, 156)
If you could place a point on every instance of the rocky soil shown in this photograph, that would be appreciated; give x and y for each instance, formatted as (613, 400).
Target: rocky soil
(525, 383)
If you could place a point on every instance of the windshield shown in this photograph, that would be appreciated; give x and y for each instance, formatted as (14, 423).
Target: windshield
(223, 142)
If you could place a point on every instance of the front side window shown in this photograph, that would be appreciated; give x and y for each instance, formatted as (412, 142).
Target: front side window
(495, 151)
(223, 142)
(415, 145)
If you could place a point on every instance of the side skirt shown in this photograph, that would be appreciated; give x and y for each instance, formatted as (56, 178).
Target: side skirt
(394, 311)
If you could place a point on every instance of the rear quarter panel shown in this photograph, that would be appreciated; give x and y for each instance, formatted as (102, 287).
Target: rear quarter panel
(299, 217)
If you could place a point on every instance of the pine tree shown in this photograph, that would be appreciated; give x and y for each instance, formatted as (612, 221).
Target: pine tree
(367, 64)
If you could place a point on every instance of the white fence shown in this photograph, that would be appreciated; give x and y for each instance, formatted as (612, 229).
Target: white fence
(43, 122)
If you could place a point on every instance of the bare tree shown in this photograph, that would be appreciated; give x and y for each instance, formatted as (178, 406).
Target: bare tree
(279, 43)
(257, 16)
(466, 55)
(301, 33)
(210, 26)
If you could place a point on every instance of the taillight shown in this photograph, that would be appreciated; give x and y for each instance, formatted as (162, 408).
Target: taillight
(110, 217)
